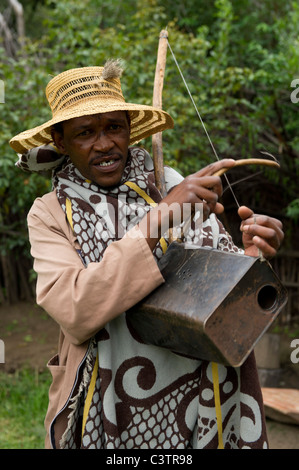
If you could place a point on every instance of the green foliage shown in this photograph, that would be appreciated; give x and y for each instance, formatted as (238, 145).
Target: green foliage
(24, 401)
(238, 58)
(293, 210)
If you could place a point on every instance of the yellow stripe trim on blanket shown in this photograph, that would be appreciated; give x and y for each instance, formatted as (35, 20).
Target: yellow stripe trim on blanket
(141, 193)
(90, 393)
(68, 208)
(151, 202)
(215, 376)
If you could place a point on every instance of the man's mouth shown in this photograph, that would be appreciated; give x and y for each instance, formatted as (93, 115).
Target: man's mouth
(107, 164)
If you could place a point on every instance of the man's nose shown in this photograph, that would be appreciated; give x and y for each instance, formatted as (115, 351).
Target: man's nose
(103, 143)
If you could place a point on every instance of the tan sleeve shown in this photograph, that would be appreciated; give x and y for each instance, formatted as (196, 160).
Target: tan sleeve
(82, 300)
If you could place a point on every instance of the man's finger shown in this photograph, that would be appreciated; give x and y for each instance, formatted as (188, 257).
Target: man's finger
(216, 166)
(244, 212)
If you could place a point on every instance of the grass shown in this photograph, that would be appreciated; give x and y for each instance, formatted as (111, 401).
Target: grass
(23, 405)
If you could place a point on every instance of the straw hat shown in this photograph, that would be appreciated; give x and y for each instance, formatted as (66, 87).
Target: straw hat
(91, 90)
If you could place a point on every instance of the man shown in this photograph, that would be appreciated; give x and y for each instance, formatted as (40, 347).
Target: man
(96, 256)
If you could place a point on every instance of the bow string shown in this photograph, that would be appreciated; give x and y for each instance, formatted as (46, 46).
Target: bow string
(157, 138)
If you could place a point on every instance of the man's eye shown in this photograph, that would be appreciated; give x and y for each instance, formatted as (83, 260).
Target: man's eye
(83, 133)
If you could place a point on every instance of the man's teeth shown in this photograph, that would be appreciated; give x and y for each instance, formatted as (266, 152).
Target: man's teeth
(109, 162)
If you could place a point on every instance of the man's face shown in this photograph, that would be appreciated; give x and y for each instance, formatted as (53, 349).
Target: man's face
(97, 145)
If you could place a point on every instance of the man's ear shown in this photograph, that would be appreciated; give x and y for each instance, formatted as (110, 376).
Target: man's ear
(58, 140)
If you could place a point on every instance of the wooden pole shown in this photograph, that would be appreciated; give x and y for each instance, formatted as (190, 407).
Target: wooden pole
(157, 102)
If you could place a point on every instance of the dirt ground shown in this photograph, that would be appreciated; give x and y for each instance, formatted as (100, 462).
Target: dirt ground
(30, 337)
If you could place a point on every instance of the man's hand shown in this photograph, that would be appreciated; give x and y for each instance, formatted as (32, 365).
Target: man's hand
(260, 232)
(201, 187)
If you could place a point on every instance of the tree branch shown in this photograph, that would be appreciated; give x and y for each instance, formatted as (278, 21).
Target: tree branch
(19, 12)
(7, 37)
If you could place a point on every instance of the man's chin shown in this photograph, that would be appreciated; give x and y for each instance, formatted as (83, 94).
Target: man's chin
(107, 182)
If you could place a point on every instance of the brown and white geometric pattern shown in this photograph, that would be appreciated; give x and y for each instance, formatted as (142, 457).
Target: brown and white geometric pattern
(148, 397)
(145, 396)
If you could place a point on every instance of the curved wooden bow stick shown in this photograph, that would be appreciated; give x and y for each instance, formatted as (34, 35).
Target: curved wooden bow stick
(157, 138)
(248, 161)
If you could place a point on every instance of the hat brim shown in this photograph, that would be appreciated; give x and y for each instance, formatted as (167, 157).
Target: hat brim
(145, 121)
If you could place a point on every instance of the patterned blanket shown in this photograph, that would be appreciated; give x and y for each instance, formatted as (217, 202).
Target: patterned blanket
(133, 395)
